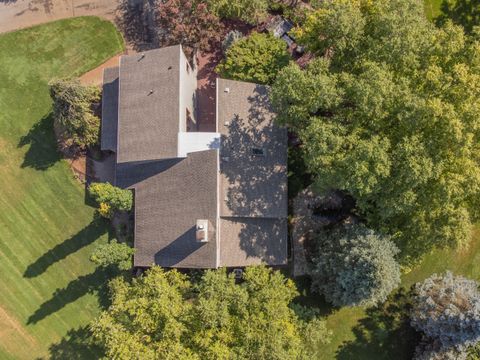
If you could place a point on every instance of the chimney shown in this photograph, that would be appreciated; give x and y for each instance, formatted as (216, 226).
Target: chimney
(202, 231)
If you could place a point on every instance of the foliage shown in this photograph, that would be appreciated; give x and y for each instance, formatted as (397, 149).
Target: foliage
(231, 37)
(250, 11)
(447, 309)
(354, 266)
(257, 58)
(114, 197)
(187, 22)
(113, 254)
(72, 112)
(105, 210)
(391, 116)
(428, 350)
(461, 12)
(162, 315)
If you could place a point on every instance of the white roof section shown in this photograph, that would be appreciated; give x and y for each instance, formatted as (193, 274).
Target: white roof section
(189, 142)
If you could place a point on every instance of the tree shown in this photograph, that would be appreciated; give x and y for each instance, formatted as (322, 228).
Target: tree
(163, 315)
(111, 196)
(447, 310)
(73, 112)
(461, 12)
(250, 11)
(257, 58)
(354, 266)
(113, 254)
(392, 118)
(231, 37)
(188, 22)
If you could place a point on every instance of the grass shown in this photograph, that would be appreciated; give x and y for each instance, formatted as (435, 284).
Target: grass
(371, 334)
(50, 290)
(432, 8)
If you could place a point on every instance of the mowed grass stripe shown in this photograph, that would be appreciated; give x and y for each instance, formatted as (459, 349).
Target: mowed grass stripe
(49, 287)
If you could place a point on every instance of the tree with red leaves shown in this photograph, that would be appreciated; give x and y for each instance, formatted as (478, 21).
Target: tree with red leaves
(188, 22)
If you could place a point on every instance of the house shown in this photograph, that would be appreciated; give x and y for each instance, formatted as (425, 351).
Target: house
(201, 199)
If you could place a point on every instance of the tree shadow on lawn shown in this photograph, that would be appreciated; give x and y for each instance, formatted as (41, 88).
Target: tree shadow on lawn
(42, 153)
(95, 282)
(385, 333)
(84, 237)
(77, 344)
(310, 299)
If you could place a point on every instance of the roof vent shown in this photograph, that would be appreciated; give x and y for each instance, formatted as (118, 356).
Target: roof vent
(201, 233)
(227, 123)
(227, 90)
(150, 92)
(256, 151)
(226, 158)
(142, 56)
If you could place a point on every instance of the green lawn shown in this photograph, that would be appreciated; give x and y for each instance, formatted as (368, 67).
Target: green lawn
(49, 287)
(378, 334)
(432, 8)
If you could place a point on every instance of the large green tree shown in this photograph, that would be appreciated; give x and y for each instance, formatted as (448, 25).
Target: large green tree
(161, 315)
(73, 115)
(354, 266)
(392, 117)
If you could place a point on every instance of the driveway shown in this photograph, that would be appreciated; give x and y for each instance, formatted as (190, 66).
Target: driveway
(17, 14)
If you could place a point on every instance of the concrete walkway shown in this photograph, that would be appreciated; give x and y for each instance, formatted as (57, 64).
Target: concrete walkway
(18, 14)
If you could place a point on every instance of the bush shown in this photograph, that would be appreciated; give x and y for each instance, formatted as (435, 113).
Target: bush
(114, 197)
(447, 309)
(113, 254)
(257, 58)
(230, 39)
(73, 112)
(354, 266)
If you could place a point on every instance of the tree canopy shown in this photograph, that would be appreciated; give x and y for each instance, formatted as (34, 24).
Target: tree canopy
(447, 310)
(461, 12)
(187, 22)
(163, 315)
(256, 58)
(389, 112)
(73, 112)
(354, 266)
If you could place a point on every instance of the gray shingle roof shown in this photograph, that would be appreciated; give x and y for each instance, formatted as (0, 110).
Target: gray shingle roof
(253, 241)
(109, 109)
(167, 206)
(243, 195)
(251, 185)
(149, 121)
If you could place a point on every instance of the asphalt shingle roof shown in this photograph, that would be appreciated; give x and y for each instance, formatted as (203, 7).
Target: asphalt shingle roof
(109, 109)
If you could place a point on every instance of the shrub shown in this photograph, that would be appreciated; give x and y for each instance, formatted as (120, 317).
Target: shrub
(113, 254)
(73, 112)
(447, 309)
(230, 39)
(257, 58)
(114, 197)
(354, 266)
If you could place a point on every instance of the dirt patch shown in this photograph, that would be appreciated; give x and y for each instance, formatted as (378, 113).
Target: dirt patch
(95, 76)
(12, 333)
